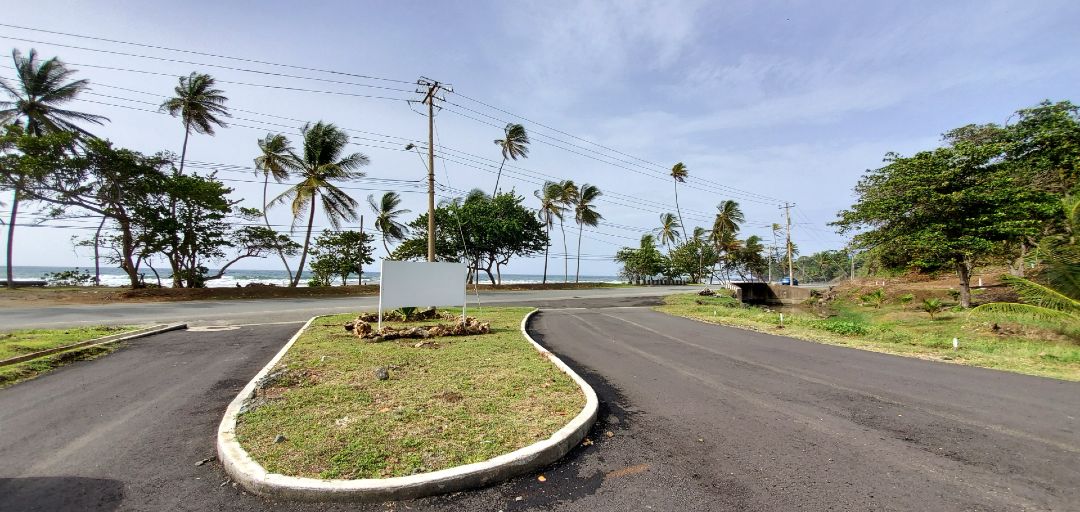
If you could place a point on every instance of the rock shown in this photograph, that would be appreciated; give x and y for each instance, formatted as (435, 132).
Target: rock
(706, 292)
(381, 373)
(279, 439)
(378, 339)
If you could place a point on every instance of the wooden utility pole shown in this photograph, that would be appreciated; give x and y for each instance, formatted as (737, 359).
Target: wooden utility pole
(791, 270)
(430, 97)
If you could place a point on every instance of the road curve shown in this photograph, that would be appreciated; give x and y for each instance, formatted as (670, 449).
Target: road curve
(733, 419)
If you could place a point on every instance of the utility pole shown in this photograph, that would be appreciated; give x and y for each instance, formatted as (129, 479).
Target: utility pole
(791, 270)
(430, 89)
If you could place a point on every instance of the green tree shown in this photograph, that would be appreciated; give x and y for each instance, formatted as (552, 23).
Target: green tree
(679, 172)
(276, 158)
(687, 259)
(641, 262)
(513, 145)
(341, 253)
(321, 163)
(951, 207)
(669, 229)
(585, 214)
(39, 91)
(386, 214)
(551, 197)
(199, 105)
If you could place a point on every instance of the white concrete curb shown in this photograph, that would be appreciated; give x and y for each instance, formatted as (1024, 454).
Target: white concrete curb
(243, 469)
(104, 340)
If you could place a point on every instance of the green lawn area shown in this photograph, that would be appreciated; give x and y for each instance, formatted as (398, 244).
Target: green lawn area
(466, 400)
(1019, 344)
(24, 342)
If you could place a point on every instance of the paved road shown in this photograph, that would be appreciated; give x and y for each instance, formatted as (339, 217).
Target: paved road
(701, 417)
(238, 312)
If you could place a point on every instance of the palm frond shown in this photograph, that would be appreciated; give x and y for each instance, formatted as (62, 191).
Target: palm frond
(1042, 296)
(1012, 308)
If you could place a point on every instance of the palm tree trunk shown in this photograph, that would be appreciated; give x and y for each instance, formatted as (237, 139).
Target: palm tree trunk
(307, 241)
(97, 265)
(11, 239)
(183, 152)
(577, 273)
(683, 224)
(566, 256)
(547, 247)
(497, 176)
(384, 245)
(266, 218)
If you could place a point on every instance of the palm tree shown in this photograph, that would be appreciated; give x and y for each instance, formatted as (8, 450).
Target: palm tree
(198, 103)
(40, 89)
(679, 172)
(567, 192)
(728, 217)
(585, 215)
(321, 163)
(386, 214)
(700, 236)
(514, 144)
(276, 158)
(668, 229)
(551, 208)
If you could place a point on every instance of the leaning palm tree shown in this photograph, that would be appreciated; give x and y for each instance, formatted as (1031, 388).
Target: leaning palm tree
(669, 229)
(585, 215)
(679, 172)
(386, 214)
(321, 163)
(728, 217)
(39, 89)
(551, 208)
(198, 104)
(567, 192)
(514, 144)
(276, 158)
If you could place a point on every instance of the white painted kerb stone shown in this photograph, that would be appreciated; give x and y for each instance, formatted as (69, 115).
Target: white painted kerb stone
(243, 469)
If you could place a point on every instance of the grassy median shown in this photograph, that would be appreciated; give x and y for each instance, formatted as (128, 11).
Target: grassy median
(19, 343)
(1003, 342)
(462, 400)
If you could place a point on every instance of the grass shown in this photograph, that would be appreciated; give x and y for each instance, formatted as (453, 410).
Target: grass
(1021, 345)
(18, 343)
(24, 342)
(469, 399)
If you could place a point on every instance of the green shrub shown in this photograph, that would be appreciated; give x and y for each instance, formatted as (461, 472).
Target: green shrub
(68, 278)
(844, 327)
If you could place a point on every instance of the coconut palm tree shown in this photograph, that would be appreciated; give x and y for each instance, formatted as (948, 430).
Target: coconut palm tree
(321, 163)
(39, 89)
(386, 214)
(669, 229)
(198, 104)
(514, 144)
(551, 208)
(585, 215)
(276, 158)
(728, 217)
(679, 173)
(35, 97)
(568, 190)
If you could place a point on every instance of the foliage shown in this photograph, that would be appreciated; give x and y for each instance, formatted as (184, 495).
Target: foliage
(585, 214)
(485, 232)
(679, 173)
(513, 145)
(199, 105)
(386, 214)
(932, 305)
(38, 93)
(642, 262)
(68, 278)
(342, 254)
(904, 300)
(554, 199)
(276, 158)
(877, 297)
(668, 230)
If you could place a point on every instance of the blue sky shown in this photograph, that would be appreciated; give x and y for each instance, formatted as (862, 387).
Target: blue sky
(764, 102)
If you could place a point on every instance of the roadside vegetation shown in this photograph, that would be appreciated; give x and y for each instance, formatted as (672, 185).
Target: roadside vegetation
(447, 402)
(19, 343)
(1003, 341)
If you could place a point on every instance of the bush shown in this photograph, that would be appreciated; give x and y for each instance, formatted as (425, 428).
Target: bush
(845, 327)
(68, 278)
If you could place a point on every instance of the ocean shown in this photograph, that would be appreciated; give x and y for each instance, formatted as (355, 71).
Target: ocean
(111, 276)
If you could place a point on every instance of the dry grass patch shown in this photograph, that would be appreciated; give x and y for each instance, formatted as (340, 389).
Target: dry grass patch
(459, 401)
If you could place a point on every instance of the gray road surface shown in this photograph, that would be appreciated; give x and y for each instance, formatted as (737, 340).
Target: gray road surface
(238, 312)
(701, 417)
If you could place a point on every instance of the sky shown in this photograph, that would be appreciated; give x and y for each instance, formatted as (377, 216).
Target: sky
(765, 103)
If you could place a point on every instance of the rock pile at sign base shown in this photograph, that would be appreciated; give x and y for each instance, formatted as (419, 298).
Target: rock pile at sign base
(466, 326)
(706, 292)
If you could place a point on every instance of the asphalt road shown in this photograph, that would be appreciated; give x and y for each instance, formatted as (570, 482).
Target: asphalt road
(701, 417)
(239, 312)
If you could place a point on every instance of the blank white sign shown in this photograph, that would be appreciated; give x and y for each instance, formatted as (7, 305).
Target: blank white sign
(421, 284)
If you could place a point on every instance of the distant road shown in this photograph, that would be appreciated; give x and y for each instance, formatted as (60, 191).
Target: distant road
(238, 312)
